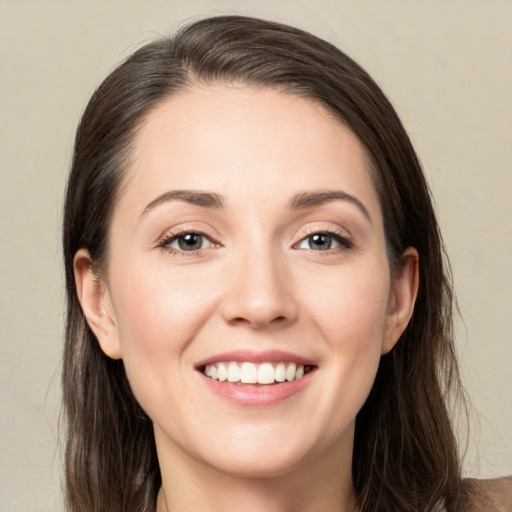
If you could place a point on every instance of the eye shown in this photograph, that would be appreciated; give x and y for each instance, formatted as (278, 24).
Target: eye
(187, 242)
(324, 242)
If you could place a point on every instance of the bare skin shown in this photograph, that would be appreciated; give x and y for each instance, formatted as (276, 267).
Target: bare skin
(286, 261)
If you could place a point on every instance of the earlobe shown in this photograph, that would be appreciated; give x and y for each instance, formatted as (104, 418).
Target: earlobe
(94, 298)
(403, 292)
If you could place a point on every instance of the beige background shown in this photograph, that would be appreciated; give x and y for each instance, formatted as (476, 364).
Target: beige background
(447, 67)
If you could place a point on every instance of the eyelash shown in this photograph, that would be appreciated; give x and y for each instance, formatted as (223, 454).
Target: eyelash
(345, 244)
(168, 239)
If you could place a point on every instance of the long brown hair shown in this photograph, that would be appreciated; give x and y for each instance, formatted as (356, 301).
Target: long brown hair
(405, 455)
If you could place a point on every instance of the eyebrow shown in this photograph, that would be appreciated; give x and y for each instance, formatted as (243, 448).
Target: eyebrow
(299, 201)
(195, 197)
(319, 197)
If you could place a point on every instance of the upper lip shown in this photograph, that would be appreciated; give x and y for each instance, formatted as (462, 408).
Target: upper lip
(268, 356)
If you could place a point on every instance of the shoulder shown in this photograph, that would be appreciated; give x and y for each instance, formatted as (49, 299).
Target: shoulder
(493, 495)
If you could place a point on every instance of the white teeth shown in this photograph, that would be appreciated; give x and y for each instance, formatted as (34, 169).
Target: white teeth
(250, 373)
(290, 372)
(266, 373)
(280, 372)
(222, 372)
(233, 372)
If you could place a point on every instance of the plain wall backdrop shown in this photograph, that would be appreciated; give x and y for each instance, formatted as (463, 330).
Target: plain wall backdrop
(447, 67)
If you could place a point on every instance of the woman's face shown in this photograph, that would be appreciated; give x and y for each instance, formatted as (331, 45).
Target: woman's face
(247, 244)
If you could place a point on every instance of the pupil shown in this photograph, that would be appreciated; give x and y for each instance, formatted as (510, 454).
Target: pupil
(320, 241)
(190, 241)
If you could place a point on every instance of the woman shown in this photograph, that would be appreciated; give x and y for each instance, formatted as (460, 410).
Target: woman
(259, 312)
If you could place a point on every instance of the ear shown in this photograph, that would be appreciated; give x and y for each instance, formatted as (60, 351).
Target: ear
(96, 304)
(403, 292)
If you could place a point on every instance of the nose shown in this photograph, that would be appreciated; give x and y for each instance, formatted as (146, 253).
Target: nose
(260, 291)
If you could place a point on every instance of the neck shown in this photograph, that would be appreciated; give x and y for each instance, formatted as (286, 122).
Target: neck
(323, 484)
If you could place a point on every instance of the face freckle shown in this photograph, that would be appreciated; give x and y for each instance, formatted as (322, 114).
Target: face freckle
(290, 268)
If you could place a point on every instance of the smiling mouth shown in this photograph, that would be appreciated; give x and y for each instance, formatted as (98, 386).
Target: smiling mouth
(255, 373)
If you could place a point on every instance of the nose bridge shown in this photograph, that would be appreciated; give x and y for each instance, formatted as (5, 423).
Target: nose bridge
(259, 288)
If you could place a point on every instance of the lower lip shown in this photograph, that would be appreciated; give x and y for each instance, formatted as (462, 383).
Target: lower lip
(257, 395)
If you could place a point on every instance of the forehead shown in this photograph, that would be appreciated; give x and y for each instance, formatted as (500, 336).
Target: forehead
(246, 143)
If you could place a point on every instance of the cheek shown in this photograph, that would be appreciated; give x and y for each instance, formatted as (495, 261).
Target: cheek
(349, 312)
(350, 305)
(158, 315)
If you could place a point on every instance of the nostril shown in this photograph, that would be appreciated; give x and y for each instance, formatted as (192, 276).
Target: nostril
(257, 304)
(258, 321)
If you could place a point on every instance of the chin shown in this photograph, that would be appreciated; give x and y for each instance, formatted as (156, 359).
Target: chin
(273, 452)
(258, 465)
